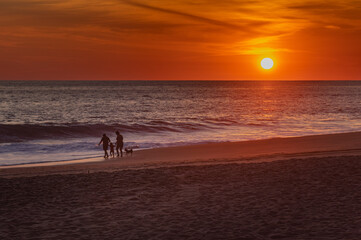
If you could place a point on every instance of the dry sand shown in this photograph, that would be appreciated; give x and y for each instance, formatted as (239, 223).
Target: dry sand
(212, 191)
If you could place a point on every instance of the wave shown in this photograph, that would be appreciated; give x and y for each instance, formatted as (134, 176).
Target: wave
(25, 132)
(10, 133)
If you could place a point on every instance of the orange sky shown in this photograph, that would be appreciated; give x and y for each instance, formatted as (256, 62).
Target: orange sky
(188, 39)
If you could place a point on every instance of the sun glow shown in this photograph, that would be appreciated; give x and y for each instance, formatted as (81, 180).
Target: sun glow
(267, 63)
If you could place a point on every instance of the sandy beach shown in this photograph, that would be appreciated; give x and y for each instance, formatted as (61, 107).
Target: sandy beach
(283, 188)
(243, 117)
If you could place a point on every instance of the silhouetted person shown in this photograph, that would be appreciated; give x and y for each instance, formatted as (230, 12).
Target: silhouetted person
(111, 149)
(105, 140)
(119, 144)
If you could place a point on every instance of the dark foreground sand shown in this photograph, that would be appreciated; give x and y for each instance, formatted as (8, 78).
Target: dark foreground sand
(312, 198)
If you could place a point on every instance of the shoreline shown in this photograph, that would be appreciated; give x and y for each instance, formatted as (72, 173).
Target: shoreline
(68, 157)
(245, 151)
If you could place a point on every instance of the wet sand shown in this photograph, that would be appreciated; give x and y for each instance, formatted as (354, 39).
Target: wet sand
(244, 191)
(227, 152)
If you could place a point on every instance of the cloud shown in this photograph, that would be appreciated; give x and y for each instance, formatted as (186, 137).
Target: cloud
(247, 26)
(48, 14)
(63, 32)
(336, 10)
(183, 14)
(319, 6)
(332, 27)
(240, 25)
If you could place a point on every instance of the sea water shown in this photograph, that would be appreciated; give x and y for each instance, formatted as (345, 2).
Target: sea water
(64, 120)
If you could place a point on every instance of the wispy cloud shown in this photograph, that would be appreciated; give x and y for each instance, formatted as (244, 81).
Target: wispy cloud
(183, 14)
(148, 29)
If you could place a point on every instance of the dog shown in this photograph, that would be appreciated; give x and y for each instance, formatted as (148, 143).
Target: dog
(128, 151)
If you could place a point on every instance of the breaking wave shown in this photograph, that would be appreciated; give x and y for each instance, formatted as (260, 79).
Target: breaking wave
(26, 132)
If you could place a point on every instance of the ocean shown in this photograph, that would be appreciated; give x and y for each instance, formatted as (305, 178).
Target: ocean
(43, 121)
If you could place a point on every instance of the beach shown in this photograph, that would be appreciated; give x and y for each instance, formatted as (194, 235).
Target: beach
(282, 188)
(237, 120)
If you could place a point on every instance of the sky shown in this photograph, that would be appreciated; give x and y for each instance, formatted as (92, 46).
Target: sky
(179, 39)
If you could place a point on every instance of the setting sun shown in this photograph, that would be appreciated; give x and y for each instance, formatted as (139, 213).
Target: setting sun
(267, 63)
(119, 119)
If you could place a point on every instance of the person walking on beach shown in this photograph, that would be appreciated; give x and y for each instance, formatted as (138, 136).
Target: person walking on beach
(119, 144)
(105, 140)
(111, 149)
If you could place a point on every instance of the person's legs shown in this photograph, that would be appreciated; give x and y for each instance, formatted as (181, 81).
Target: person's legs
(121, 150)
(106, 152)
(117, 150)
